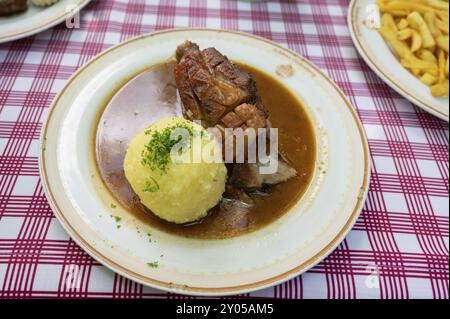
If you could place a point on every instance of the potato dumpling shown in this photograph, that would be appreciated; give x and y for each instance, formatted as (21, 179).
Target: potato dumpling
(179, 191)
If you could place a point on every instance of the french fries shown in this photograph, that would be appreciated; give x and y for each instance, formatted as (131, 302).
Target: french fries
(418, 32)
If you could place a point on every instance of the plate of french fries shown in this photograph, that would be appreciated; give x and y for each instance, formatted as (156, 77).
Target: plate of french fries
(406, 42)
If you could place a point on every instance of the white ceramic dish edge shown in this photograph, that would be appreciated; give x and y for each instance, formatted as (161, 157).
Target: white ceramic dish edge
(211, 293)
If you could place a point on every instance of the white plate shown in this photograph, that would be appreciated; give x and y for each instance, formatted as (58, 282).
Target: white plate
(291, 245)
(377, 54)
(37, 19)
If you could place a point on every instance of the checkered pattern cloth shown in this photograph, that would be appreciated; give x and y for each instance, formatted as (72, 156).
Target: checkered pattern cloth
(399, 247)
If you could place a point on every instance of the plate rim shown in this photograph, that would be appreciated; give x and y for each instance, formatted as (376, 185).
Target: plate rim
(203, 291)
(380, 73)
(24, 33)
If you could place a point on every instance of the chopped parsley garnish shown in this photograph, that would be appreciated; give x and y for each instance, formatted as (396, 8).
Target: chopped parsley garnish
(117, 218)
(151, 186)
(156, 154)
(113, 206)
(153, 264)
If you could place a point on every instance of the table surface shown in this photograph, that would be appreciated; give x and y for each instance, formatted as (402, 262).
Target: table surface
(398, 248)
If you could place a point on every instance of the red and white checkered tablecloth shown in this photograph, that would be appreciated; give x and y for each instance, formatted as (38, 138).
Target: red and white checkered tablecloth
(399, 247)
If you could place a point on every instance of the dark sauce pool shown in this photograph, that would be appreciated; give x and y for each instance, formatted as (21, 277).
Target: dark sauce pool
(152, 95)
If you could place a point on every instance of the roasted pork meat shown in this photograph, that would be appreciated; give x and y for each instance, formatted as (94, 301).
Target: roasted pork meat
(221, 95)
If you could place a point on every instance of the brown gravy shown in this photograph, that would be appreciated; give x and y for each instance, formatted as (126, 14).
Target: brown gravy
(152, 95)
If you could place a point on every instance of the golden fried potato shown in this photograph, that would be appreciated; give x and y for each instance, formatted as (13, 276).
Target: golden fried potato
(436, 4)
(402, 24)
(403, 8)
(446, 66)
(441, 41)
(412, 62)
(442, 25)
(400, 47)
(427, 55)
(416, 41)
(388, 21)
(441, 65)
(405, 34)
(428, 79)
